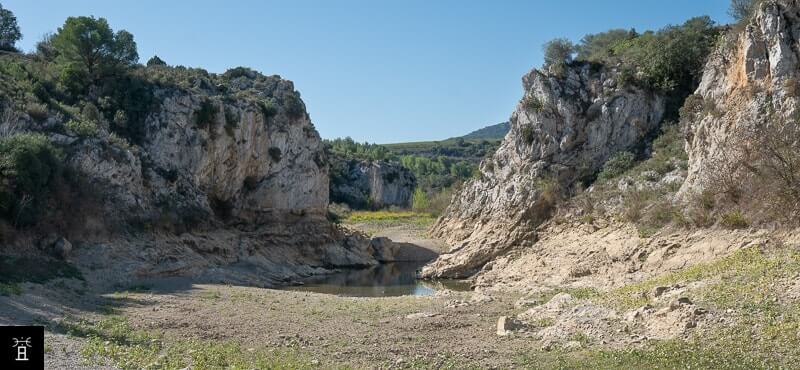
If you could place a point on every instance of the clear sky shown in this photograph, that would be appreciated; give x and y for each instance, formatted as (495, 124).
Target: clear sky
(376, 70)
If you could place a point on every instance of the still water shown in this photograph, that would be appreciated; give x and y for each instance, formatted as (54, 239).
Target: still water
(387, 280)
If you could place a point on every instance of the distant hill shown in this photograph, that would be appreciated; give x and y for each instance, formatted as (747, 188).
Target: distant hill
(492, 132)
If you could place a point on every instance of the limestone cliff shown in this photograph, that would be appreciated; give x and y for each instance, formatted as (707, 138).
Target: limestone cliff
(750, 83)
(227, 171)
(564, 129)
(236, 162)
(371, 184)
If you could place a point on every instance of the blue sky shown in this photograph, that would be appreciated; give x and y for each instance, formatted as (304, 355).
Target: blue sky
(378, 71)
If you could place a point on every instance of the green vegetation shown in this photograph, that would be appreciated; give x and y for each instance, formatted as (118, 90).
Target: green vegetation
(7, 289)
(155, 61)
(648, 206)
(749, 283)
(669, 61)
(113, 339)
(533, 104)
(742, 10)
(558, 52)
(348, 148)
(420, 200)
(438, 166)
(617, 165)
(375, 221)
(81, 128)
(9, 30)
(17, 270)
(29, 168)
(734, 220)
(88, 49)
(206, 114)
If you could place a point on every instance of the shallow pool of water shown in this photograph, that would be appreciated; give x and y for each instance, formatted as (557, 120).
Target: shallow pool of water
(387, 280)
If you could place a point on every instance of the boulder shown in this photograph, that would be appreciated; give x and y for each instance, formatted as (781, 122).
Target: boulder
(507, 325)
(62, 248)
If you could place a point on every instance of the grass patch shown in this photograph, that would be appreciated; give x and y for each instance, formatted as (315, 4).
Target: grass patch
(7, 289)
(656, 355)
(382, 216)
(749, 285)
(114, 341)
(372, 222)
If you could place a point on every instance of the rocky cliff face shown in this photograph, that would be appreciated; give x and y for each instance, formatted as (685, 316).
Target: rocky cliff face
(371, 184)
(750, 83)
(208, 156)
(227, 182)
(563, 129)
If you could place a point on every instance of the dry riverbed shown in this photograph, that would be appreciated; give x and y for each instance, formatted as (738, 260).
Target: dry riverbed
(741, 311)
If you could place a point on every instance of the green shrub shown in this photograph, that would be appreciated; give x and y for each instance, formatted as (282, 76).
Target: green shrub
(37, 111)
(439, 201)
(558, 52)
(420, 201)
(294, 106)
(532, 103)
(82, 128)
(275, 153)
(618, 164)
(29, 166)
(268, 109)
(734, 220)
(206, 114)
(155, 61)
(120, 119)
(118, 141)
(742, 10)
(527, 134)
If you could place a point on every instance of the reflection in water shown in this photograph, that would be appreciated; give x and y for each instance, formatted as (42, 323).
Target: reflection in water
(387, 280)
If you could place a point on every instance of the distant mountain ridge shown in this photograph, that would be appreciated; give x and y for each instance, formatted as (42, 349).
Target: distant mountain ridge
(497, 131)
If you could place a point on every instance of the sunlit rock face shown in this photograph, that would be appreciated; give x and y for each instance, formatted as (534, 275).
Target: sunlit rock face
(566, 126)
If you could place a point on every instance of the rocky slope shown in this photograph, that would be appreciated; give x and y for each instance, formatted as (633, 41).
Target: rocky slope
(564, 129)
(371, 184)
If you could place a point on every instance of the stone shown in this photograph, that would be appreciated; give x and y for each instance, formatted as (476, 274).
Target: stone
(62, 248)
(660, 290)
(507, 325)
(421, 315)
(572, 345)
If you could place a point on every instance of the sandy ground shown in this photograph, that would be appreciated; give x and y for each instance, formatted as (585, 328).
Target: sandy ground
(362, 332)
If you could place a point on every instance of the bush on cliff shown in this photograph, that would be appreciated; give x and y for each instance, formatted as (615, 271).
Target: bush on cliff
(742, 10)
(29, 167)
(669, 61)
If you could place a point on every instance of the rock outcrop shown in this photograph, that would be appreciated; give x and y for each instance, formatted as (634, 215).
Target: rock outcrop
(371, 184)
(226, 179)
(564, 129)
(205, 156)
(749, 83)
